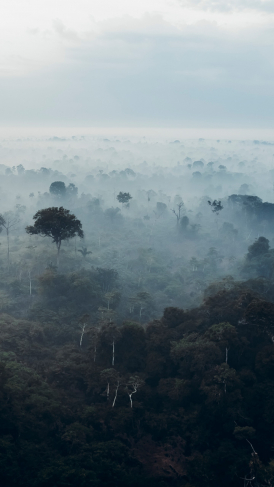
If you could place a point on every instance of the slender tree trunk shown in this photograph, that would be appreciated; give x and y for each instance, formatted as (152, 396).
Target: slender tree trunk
(113, 352)
(108, 391)
(130, 396)
(58, 253)
(116, 392)
(82, 334)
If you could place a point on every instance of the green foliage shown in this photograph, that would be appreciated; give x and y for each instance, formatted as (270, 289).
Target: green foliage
(57, 223)
(189, 397)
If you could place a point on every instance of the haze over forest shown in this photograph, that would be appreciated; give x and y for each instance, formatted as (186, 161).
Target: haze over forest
(154, 303)
(136, 243)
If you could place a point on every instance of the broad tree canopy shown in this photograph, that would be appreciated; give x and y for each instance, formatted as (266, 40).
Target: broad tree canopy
(57, 223)
(58, 188)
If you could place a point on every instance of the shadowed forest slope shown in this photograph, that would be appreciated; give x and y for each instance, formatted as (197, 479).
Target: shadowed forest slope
(186, 400)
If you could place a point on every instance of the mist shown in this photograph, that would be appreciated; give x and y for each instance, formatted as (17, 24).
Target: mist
(168, 241)
(136, 243)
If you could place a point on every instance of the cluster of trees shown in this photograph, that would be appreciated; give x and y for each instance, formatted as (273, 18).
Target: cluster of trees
(184, 401)
(143, 355)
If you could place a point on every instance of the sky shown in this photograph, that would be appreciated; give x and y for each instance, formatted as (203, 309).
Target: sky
(151, 63)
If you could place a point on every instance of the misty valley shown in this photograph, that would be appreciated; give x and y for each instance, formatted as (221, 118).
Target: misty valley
(136, 312)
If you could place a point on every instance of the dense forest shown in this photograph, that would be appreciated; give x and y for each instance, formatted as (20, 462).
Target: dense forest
(137, 313)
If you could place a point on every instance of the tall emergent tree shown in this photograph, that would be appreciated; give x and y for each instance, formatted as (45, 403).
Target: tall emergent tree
(57, 223)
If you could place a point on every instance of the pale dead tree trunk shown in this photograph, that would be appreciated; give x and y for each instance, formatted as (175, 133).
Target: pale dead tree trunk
(108, 391)
(134, 383)
(226, 354)
(130, 396)
(113, 352)
(82, 334)
(252, 474)
(116, 393)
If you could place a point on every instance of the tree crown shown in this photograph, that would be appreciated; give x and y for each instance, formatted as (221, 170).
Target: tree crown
(57, 223)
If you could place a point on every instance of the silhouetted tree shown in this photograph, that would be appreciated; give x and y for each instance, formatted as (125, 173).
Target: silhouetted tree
(124, 198)
(58, 188)
(216, 206)
(84, 251)
(177, 211)
(58, 224)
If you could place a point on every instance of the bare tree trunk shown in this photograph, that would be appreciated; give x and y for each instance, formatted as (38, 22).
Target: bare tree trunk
(116, 392)
(58, 253)
(113, 352)
(130, 398)
(82, 334)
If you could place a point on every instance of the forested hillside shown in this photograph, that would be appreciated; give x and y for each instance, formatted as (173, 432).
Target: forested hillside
(137, 316)
(186, 400)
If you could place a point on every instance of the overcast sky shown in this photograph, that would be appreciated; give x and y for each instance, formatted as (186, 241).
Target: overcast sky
(192, 63)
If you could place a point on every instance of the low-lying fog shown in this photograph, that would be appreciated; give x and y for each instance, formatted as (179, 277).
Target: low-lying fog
(182, 229)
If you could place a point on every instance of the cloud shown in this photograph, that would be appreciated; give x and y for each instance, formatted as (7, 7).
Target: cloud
(64, 32)
(145, 70)
(229, 5)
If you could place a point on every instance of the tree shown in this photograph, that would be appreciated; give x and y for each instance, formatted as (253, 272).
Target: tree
(112, 213)
(112, 377)
(110, 334)
(216, 206)
(134, 383)
(106, 278)
(177, 212)
(71, 190)
(124, 198)
(84, 251)
(8, 221)
(58, 224)
(142, 299)
(83, 323)
(258, 248)
(58, 188)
